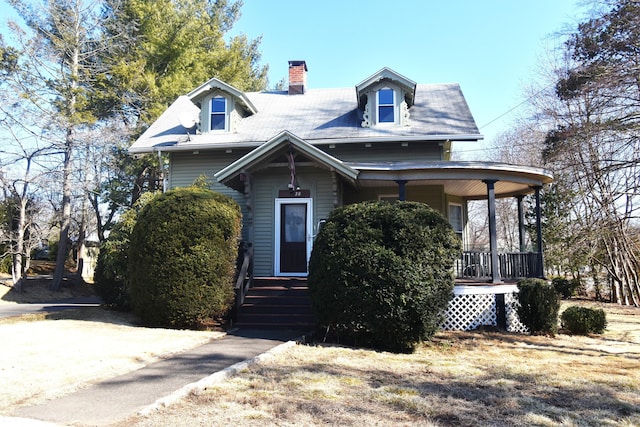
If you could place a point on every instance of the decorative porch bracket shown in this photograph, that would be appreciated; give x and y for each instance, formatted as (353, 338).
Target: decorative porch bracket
(493, 239)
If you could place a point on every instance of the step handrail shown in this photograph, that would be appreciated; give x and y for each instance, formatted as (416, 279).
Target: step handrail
(245, 274)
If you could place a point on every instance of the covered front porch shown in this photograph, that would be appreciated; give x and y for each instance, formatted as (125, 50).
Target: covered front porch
(468, 181)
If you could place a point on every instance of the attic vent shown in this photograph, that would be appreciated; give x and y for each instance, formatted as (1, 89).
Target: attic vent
(297, 77)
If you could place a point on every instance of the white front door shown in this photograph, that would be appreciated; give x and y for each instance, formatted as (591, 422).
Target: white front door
(294, 239)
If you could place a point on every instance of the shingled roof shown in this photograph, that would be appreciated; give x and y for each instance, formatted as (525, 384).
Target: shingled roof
(319, 116)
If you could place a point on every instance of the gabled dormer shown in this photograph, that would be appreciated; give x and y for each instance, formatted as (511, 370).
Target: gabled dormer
(222, 106)
(385, 99)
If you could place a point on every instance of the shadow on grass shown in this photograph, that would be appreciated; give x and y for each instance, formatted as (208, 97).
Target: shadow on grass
(95, 314)
(35, 290)
(487, 393)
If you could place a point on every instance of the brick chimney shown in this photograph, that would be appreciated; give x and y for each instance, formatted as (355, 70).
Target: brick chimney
(297, 77)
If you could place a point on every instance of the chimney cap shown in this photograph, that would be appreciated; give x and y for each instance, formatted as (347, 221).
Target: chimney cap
(298, 63)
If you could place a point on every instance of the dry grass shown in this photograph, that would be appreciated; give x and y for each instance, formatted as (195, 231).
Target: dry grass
(36, 288)
(461, 379)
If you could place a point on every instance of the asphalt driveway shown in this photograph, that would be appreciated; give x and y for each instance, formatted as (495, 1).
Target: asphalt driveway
(18, 309)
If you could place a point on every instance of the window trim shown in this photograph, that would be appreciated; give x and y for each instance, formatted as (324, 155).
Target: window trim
(393, 104)
(211, 113)
(457, 205)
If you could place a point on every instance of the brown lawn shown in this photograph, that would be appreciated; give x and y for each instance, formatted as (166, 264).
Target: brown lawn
(460, 379)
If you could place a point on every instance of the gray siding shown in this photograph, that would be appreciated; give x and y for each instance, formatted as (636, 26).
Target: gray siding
(383, 151)
(187, 167)
(433, 195)
(266, 185)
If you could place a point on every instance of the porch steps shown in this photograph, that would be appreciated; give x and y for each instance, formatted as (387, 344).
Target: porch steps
(280, 303)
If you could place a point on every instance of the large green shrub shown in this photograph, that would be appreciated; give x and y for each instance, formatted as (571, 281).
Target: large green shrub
(538, 306)
(380, 274)
(110, 275)
(182, 257)
(583, 320)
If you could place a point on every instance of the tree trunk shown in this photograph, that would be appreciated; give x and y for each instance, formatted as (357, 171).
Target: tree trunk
(65, 221)
(81, 243)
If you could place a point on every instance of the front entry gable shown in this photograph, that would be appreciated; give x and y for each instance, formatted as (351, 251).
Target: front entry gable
(275, 147)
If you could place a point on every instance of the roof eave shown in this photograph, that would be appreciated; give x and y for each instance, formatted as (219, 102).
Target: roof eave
(184, 145)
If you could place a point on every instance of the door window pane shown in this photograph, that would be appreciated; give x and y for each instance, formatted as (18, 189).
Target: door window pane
(295, 223)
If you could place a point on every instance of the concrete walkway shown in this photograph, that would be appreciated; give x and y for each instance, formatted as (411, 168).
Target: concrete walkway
(116, 399)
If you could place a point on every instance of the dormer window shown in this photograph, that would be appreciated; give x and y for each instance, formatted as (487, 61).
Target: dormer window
(385, 99)
(386, 106)
(218, 119)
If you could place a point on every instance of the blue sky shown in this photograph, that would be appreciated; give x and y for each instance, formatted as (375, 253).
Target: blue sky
(490, 47)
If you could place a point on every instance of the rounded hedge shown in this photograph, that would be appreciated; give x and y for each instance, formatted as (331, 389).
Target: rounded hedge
(380, 273)
(583, 320)
(182, 257)
(538, 306)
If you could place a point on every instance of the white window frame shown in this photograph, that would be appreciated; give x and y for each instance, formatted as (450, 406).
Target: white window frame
(277, 229)
(394, 105)
(457, 205)
(210, 113)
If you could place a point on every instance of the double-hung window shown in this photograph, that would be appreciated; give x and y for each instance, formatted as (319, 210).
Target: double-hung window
(455, 218)
(218, 119)
(386, 106)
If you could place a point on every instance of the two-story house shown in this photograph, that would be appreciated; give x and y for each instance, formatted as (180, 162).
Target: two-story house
(290, 157)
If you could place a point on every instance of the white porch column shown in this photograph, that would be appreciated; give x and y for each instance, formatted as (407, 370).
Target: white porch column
(493, 239)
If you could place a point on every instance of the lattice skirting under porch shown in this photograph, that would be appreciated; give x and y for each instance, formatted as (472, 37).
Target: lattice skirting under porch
(475, 306)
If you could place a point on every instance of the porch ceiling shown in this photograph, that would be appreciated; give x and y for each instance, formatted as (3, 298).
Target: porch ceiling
(464, 179)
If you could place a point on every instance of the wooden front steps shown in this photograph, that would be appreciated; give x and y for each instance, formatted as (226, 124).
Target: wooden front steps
(277, 302)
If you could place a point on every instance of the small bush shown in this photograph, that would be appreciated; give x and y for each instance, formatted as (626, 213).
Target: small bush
(566, 288)
(182, 257)
(380, 274)
(583, 320)
(538, 306)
